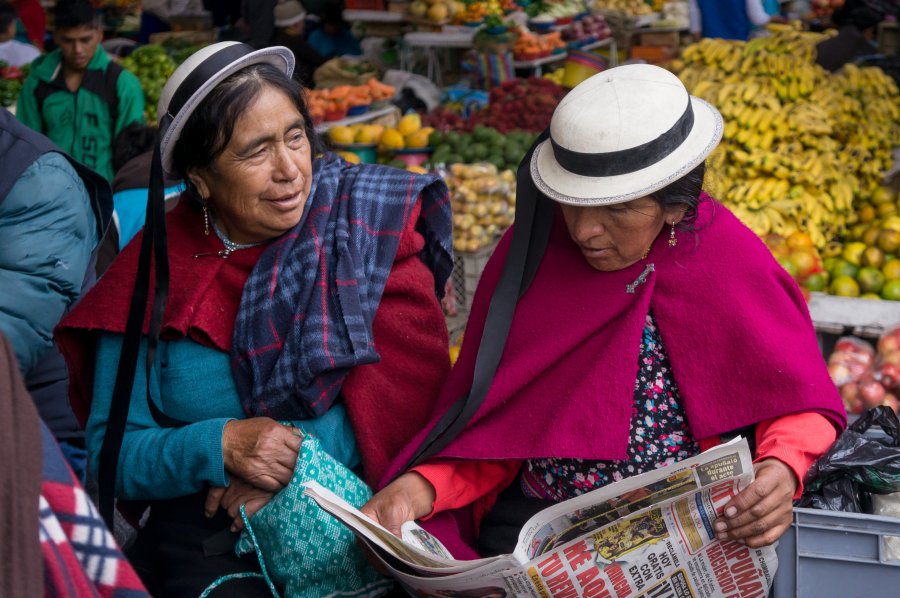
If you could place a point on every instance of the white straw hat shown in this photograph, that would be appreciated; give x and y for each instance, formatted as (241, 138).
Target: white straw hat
(289, 12)
(623, 134)
(198, 75)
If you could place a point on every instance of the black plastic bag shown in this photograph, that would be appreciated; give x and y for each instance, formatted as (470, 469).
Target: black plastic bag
(857, 465)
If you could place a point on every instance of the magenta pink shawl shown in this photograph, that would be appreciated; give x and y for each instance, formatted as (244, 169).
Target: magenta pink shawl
(734, 324)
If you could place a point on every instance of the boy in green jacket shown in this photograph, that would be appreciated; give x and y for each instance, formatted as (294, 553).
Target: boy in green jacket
(76, 95)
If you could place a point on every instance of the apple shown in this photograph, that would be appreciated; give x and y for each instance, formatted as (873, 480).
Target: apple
(890, 400)
(872, 393)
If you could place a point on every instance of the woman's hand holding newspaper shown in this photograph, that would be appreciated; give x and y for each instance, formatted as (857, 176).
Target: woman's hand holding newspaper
(760, 514)
(407, 498)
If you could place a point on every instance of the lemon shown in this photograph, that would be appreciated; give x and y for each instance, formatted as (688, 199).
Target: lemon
(416, 169)
(341, 135)
(409, 124)
(418, 139)
(391, 139)
(367, 134)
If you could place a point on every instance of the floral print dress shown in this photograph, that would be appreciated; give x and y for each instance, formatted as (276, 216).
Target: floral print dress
(659, 436)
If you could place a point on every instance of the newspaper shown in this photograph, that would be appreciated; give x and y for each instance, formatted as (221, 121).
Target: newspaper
(648, 536)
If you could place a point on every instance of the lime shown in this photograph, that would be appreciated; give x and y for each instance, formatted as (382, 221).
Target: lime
(789, 267)
(842, 267)
(870, 280)
(891, 290)
(844, 286)
(870, 296)
(817, 281)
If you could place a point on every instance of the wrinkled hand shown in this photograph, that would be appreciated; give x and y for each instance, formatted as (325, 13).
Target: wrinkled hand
(407, 498)
(762, 512)
(261, 451)
(231, 498)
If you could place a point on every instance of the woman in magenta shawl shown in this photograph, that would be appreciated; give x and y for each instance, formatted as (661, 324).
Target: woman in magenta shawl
(645, 322)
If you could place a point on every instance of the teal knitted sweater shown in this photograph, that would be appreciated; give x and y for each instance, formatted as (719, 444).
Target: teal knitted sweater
(191, 383)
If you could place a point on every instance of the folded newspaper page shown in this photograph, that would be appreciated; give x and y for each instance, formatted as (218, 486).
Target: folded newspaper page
(648, 536)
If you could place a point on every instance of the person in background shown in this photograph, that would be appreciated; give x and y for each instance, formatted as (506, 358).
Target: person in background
(727, 19)
(53, 212)
(290, 19)
(76, 95)
(155, 15)
(12, 51)
(856, 21)
(333, 37)
(33, 20)
(132, 154)
(628, 261)
(258, 22)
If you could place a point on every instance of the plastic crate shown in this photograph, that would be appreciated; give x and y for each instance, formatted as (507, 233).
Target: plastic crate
(467, 269)
(830, 554)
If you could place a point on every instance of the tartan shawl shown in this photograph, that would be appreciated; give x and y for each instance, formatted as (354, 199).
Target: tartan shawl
(306, 313)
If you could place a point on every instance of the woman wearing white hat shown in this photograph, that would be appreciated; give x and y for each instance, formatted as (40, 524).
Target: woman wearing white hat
(290, 24)
(627, 322)
(286, 270)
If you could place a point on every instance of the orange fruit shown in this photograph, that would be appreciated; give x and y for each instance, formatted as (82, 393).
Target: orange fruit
(870, 236)
(866, 213)
(873, 257)
(799, 240)
(891, 270)
(889, 241)
(805, 262)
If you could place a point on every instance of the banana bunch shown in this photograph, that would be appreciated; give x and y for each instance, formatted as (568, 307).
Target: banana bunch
(799, 143)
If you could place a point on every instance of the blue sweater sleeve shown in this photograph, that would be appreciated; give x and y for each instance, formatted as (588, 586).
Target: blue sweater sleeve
(155, 463)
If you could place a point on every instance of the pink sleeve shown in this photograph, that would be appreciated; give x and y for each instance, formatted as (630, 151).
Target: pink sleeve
(796, 440)
(461, 483)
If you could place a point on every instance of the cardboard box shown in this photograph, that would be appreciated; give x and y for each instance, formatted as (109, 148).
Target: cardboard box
(656, 38)
(653, 54)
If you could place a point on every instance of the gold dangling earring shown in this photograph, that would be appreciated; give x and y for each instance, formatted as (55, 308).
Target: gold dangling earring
(672, 240)
(205, 220)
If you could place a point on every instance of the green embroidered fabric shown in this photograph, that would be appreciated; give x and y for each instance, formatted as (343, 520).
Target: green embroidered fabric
(306, 552)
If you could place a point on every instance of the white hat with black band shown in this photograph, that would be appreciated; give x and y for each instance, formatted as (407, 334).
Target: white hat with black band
(201, 73)
(623, 134)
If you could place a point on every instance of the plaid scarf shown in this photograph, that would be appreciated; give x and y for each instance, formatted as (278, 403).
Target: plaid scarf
(306, 314)
(81, 558)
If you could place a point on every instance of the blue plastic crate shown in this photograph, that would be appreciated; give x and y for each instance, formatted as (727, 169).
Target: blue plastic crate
(829, 554)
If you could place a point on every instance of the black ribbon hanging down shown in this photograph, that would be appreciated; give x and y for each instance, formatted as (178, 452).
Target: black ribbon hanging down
(626, 160)
(531, 232)
(153, 257)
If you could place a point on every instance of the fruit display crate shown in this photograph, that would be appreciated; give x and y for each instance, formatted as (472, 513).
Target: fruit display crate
(828, 553)
(848, 315)
(467, 269)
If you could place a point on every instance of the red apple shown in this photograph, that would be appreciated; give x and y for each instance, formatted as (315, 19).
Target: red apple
(890, 400)
(872, 393)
